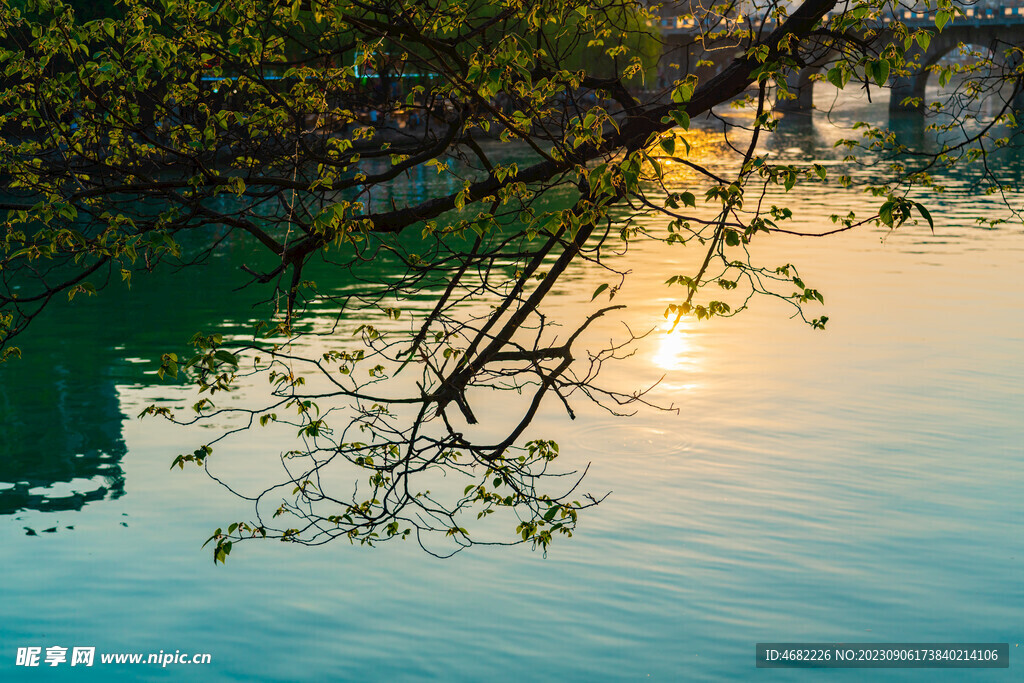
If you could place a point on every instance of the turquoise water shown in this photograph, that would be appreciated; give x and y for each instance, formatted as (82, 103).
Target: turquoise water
(858, 484)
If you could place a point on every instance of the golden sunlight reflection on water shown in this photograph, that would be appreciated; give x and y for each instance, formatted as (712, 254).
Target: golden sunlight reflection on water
(675, 350)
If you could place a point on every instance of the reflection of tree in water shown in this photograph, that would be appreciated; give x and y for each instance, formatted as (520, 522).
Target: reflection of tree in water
(60, 418)
(61, 441)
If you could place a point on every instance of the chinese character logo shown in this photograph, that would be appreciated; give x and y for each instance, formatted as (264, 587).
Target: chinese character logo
(28, 656)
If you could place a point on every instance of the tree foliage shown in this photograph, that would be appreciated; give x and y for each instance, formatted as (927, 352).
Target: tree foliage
(151, 137)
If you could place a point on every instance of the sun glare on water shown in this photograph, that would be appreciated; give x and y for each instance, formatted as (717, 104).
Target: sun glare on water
(674, 348)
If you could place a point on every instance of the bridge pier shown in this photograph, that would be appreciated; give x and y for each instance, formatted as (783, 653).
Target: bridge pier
(800, 85)
(902, 87)
(909, 127)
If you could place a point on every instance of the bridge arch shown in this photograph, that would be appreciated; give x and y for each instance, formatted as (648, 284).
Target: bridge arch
(993, 36)
(942, 45)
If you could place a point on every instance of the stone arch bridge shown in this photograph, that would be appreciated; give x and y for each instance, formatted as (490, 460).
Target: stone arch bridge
(995, 25)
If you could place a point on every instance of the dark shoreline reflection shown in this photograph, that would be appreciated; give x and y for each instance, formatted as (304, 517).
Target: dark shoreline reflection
(61, 441)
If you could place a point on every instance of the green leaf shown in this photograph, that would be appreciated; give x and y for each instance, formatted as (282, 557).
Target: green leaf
(927, 216)
(599, 290)
(881, 72)
(683, 93)
(226, 357)
(885, 214)
(941, 19)
(835, 77)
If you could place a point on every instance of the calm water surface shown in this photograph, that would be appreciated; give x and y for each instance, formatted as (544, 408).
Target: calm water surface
(858, 484)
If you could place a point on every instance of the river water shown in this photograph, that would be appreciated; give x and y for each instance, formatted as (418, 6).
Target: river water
(858, 484)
